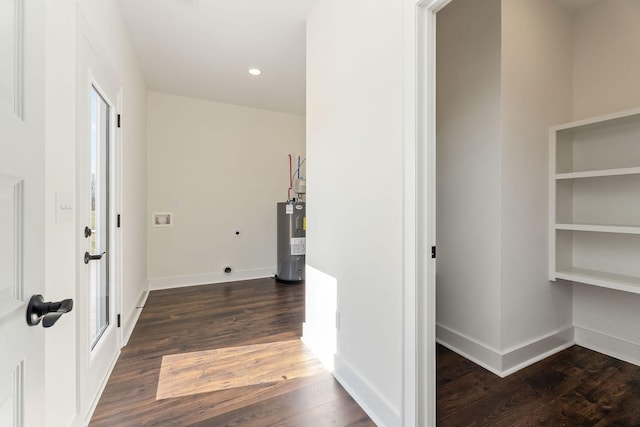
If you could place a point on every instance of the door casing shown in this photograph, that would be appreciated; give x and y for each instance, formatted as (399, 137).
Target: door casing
(419, 302)
(95, 365)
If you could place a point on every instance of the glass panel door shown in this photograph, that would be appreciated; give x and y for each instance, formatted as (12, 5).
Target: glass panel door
(99, 218)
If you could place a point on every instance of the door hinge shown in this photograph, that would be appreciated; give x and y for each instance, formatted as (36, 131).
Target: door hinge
(118, 120)
(433, 251)
(118, 221)
(118, 320)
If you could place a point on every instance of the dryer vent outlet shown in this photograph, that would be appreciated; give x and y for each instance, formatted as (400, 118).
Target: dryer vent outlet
(227, 270)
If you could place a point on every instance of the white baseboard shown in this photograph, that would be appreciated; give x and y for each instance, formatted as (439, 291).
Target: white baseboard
(606, 344)
(105, 380)
(133, 316)
(159, 283)
(469, 348)
(377, 407)
(503, 363)
(319, 327)
(535, 350)
(322, 346)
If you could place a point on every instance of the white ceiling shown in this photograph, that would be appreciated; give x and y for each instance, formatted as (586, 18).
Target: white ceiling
(203, 49)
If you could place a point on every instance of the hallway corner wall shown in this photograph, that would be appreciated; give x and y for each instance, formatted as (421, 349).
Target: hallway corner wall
(504, 77)
(355, 183)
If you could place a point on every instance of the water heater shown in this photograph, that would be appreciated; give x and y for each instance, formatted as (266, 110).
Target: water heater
(292, 245)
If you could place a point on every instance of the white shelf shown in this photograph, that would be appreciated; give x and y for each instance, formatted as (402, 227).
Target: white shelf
(599, 228)
(606, 151)
(599, 173)
(601, 279)
(599, 122)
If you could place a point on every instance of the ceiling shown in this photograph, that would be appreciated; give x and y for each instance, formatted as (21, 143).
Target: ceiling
(204, 48)
(573, 6)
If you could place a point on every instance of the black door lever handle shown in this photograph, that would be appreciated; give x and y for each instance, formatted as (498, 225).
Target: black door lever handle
(48, 312)
(88, 257)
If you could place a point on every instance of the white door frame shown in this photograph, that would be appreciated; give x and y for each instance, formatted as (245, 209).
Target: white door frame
(419, 300)
(100, 75)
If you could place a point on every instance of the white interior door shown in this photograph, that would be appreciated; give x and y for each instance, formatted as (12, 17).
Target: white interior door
(99, 338)
(21, 210)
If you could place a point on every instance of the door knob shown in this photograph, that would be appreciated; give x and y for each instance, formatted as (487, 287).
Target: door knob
(88, 257)
(48, 312)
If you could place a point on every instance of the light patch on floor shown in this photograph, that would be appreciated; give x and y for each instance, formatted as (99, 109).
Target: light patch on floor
(220, 369)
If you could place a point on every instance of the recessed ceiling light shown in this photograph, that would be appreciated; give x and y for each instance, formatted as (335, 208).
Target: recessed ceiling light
(255, 71)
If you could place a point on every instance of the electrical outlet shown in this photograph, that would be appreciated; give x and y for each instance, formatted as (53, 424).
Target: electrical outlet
(337, 320)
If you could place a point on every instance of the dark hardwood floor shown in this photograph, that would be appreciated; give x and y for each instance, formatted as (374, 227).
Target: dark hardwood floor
(220, 316)
(576, 387)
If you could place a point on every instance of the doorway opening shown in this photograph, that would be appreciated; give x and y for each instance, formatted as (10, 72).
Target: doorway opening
(506, 72)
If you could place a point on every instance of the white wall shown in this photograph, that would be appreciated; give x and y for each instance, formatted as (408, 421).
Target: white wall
(536, 94)
(355, 185)
(217, 168)
(60, 238)
(60, 249)
(108, 26)
(504, 76)
(606, 60)
(468, 170)
(606, 69)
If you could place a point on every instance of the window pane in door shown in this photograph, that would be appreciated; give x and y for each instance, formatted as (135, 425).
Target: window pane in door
(99, 240)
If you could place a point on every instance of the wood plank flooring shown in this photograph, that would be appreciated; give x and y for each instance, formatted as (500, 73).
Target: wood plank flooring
(212, 370)
(221, 316)
(576, 387)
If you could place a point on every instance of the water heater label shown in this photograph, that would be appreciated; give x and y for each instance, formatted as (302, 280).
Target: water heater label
(289, 209)
(298, 245)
